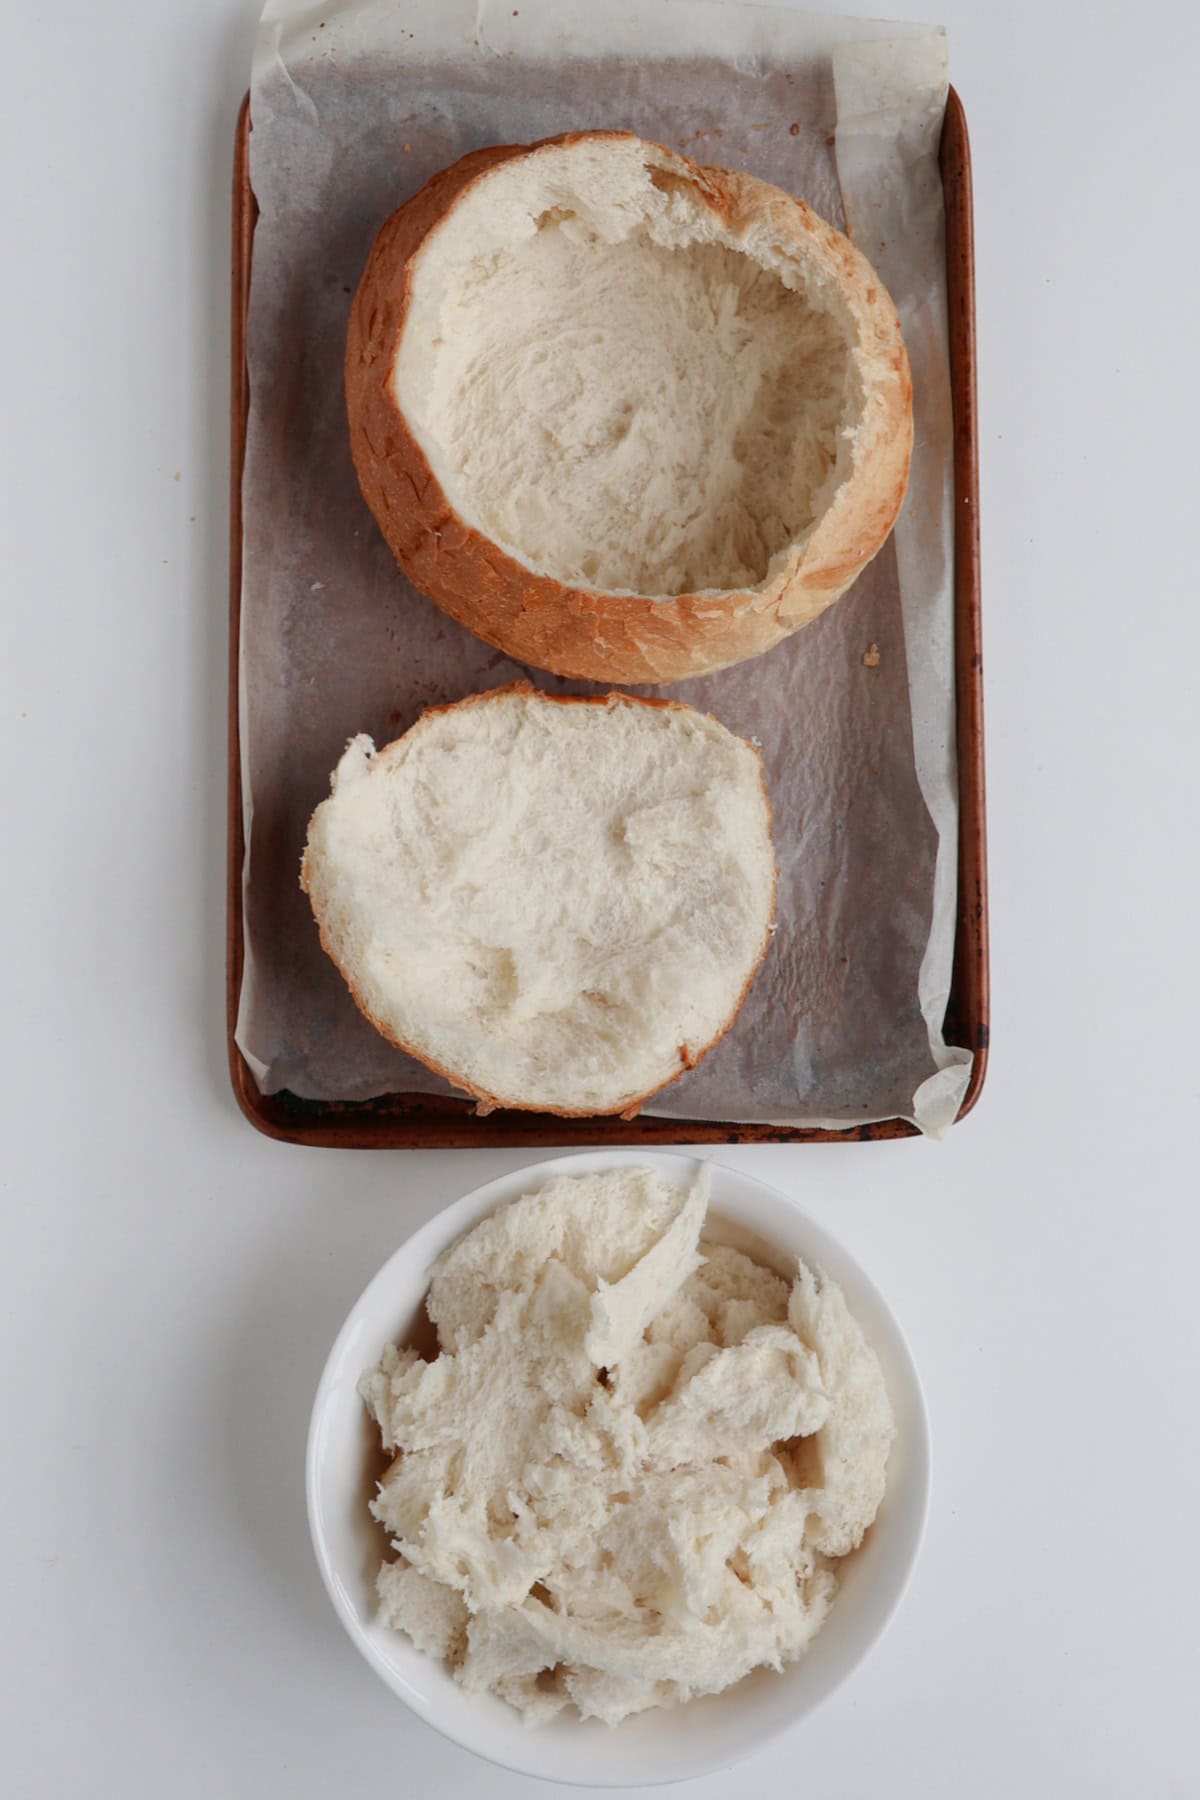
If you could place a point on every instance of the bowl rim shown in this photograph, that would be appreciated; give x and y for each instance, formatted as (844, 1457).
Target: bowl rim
(436, 1234)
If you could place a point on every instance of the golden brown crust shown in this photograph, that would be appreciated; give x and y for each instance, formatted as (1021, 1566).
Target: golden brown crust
(631, 1105)
(585, 633)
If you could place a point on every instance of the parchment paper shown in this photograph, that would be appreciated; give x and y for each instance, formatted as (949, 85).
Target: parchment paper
(354, 107)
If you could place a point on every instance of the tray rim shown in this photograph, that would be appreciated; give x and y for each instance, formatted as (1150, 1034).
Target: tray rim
(428, 1121)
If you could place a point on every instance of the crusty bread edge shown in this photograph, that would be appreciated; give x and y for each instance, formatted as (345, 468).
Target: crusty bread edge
(629, 1106)
(586, 633)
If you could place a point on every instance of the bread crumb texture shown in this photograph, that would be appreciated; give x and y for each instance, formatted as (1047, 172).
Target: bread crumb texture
(556, 903)
(621, 384)
(624, 1480)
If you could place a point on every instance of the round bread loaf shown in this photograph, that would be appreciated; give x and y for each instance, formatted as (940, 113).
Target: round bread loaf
(625, 417)
(557, 903)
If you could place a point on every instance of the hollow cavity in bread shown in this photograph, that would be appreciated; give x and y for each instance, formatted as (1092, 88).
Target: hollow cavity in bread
(625, 394)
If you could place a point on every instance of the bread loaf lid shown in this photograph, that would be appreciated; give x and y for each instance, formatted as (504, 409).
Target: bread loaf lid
(558, 903)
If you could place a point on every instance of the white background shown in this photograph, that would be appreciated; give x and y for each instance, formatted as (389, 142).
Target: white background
(171, 1281)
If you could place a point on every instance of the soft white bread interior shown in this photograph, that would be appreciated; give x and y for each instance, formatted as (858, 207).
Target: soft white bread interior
(616, 394)
(558, 903)
(621, 1482)
(592, 370)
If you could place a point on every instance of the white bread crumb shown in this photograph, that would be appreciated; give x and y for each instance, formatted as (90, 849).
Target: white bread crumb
(620, 1483)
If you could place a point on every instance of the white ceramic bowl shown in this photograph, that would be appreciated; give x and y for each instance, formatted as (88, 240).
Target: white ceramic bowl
(670, 1745)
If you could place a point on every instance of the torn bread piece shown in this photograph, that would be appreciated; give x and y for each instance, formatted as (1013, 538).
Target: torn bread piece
(625, 1479)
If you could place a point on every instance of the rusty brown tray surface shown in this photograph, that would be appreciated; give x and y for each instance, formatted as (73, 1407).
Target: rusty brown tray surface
(431, 1121)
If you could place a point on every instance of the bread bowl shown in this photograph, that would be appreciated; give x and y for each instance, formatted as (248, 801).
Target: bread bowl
(628, 418)
(558, 903)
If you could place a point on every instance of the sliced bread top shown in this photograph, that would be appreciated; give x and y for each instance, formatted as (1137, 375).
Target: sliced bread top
(558, 903)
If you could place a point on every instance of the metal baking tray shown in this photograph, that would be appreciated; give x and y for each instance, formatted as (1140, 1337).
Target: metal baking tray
(431, 1121)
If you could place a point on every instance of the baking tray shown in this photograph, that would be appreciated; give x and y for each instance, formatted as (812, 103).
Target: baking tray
(433, 1121)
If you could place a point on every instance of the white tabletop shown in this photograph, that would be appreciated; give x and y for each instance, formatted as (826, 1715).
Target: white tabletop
(171, 1281)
